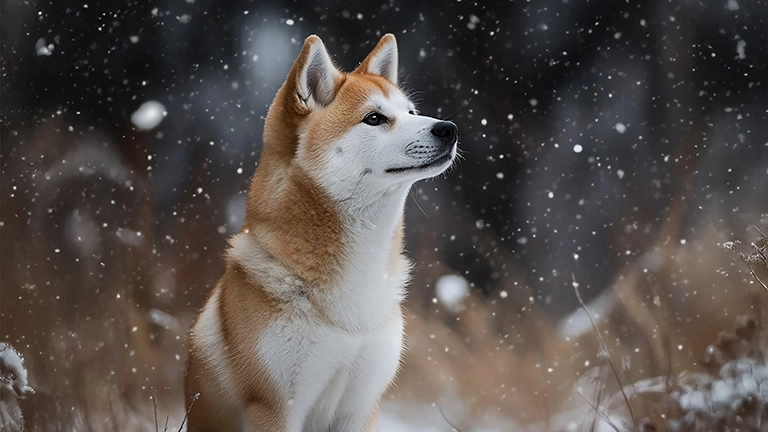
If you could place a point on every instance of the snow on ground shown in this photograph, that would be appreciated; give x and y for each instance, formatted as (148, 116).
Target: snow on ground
(393, 423)
(411, 416)
(13, 386)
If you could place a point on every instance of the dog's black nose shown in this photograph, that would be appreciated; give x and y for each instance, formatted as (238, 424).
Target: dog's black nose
(446, 132)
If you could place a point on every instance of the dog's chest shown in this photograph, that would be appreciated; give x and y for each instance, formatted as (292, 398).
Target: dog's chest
(371, 286)
(339, 346)
(324, 370)
(361, 372)
(364, 300)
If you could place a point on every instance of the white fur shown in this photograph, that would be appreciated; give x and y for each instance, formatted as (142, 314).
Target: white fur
(331, 377)
(354, 171)
(263, 267)
(207, 334)
(333, 373)
(338, 370)
(332, 351)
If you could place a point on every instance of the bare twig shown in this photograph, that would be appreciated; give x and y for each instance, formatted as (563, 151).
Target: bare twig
(599, 412)
(663, 320)
(757, 256)
(598, 396)
(191, 404)
(754, 275)
(605, 351)
(154, 405)
(453, 426)
(165, 428)
(761, 233)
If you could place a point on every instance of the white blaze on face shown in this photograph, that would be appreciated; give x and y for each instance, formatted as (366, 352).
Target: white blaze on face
(372, 159)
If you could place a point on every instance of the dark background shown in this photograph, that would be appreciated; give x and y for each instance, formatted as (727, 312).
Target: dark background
(666, 101)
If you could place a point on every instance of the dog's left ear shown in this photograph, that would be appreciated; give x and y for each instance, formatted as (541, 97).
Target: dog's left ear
(382, 60)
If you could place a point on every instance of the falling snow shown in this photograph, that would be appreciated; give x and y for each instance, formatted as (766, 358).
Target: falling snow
(451, 291)
(43, 49)
(149, 115)
(741, 47)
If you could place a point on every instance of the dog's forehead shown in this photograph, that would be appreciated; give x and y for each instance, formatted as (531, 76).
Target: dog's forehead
(375, 90)
(394, 101)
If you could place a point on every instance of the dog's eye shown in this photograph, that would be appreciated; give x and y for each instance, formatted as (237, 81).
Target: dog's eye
(412, 112)
(375, 119)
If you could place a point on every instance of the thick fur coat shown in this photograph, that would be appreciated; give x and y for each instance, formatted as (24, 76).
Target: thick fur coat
(304, 330)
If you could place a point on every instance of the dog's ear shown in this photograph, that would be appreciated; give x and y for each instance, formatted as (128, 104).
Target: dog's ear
(382, 60)
(316, 76)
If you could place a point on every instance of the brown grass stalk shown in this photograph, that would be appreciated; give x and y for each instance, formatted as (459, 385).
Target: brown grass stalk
(605, 352)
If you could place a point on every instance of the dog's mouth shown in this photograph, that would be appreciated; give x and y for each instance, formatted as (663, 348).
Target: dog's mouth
(445, 157)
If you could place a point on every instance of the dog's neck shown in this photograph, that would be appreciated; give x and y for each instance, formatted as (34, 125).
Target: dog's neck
(374, 273)
(347, 260)
(376, 213)
(373, 228)
(317, 237)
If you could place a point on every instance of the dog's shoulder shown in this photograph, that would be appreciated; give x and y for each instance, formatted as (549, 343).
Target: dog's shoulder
(258, 267)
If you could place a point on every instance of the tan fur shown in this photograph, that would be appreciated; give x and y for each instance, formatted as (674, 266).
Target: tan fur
(244, 310)
(285, 273)
(281, 198)
(282, 203)
(365, 65)
(290, 206)
(329, 125)
(398, 241)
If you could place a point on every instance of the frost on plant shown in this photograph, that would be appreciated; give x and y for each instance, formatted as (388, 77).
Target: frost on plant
(13, 387)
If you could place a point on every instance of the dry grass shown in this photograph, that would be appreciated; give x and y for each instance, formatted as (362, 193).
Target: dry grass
(101, 318)
(659, 330)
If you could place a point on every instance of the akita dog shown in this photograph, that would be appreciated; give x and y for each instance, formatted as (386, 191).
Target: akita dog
(304, 331)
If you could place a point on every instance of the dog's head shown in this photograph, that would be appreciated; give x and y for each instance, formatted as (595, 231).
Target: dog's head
(355, 133)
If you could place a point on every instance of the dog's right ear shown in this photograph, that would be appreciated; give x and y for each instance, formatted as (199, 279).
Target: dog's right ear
(315, 74)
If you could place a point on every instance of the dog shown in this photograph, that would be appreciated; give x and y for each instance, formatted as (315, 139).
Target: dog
(304, 330)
